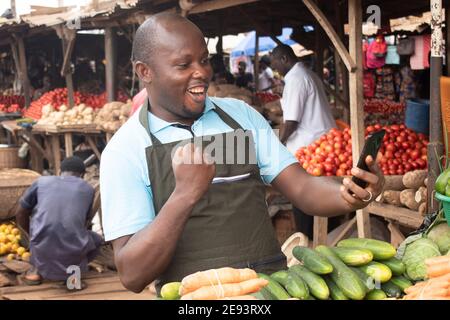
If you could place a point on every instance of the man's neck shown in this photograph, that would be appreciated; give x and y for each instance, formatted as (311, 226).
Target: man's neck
(170, 117)
(290, 65)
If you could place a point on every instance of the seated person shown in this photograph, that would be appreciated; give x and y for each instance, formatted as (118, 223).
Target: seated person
(55, 211)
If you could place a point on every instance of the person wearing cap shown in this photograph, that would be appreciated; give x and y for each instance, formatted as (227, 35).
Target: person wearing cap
(243, 78)
(266, 79)
(55, 211)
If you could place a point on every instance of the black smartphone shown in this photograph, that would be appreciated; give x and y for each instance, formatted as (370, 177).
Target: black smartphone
(371, 147)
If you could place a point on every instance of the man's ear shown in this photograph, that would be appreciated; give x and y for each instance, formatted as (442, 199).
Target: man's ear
(143, 71)
(284, 59)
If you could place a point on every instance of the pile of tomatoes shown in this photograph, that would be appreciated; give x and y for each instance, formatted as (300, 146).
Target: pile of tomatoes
(403, 150)
(11, 103)
(58, 97)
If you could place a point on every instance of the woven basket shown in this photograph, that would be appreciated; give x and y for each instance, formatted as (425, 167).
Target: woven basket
(9, 158)
(13, 183)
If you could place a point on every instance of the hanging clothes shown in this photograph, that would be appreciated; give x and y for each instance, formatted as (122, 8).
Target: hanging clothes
(385, 88)
(422, 47)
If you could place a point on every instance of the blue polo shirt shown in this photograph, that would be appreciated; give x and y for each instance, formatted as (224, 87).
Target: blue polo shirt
(126, 193)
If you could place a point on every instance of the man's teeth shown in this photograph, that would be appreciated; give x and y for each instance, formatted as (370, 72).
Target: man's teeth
(197, 90)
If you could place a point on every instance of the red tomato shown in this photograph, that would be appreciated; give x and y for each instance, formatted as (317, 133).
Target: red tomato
(390, 147)
(317, 172)
(414, 154)
(340, 172)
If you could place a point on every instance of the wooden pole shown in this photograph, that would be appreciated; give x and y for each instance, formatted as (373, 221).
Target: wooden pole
(435, 147)
(24, 71)
(13, 8)
(68, 75)
(256, 65)
(356, 100)
(319, 46)
(331, 33)
(110, 55)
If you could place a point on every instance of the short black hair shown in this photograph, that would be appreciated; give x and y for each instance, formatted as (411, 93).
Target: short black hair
(284, 50)
(73, 164)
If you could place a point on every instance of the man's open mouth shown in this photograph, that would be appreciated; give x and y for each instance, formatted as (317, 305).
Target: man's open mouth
(198, 93)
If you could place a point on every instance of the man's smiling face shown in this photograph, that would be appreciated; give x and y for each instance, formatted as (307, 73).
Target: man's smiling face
(180, 69)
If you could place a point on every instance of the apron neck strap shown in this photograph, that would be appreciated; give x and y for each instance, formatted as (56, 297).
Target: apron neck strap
(143, 119)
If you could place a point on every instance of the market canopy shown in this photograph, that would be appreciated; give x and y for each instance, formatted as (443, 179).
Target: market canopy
(247, 46)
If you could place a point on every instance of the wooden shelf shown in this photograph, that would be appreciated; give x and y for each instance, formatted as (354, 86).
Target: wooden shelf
(403, 216)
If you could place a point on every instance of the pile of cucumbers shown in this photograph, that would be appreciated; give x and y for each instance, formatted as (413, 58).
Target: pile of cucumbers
(356, 269)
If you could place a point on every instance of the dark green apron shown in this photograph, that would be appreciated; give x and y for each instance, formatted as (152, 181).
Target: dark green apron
(230, 225)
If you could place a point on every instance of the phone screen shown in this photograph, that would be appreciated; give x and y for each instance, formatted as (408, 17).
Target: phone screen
(371, 148)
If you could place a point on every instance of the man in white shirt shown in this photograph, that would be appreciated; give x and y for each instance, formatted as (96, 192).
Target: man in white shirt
(266, 80)
(306, 111)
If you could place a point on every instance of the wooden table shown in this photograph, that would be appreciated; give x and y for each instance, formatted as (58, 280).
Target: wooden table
(52, 136)
(100, 286)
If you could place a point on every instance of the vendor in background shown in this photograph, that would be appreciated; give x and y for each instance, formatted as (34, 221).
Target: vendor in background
(56, 212)
(306, 111)
(168, 217)
(243, 78)
(266, 80)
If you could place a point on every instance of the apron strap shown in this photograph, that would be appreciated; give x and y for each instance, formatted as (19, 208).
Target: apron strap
(143, 119)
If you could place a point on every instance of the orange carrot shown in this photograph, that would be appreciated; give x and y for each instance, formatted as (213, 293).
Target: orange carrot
(214, 277)
(226, 290)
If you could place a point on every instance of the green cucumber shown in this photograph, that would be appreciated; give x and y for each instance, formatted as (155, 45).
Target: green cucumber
(377, 271)
(391, 290)
(263, 294)
(350, 284)
(293, 284)
(274, 288)
(335, 292)
(312, 260)
(353, 256)
(442, 181)
(401, 282)
(316, 285)
(397, 267)
(381, 250)
(376, 294)
(369, 282)
(280, 277)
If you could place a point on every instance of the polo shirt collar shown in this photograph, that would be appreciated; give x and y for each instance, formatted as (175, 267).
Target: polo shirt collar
(158, 124)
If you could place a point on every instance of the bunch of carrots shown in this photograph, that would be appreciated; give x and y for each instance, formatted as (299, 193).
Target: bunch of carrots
(221, 284)
(437, 287)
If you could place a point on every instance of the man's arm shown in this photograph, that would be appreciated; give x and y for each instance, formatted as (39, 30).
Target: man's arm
(287, 129)
(23, 218)
(325, 197)
(142, 257)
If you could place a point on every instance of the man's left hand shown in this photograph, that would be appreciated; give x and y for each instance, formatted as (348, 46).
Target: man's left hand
(357, 197)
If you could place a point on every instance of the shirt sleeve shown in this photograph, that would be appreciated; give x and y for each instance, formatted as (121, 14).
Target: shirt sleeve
(295, 95)
(127, 203)
(29, 198)
(269, 73)
(272, 156)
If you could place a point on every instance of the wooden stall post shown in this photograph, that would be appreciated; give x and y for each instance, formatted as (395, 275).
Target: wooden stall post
(447, 27)
(67, 37)
(20, 61)
(110, 56)
(356, 100)
(435, 147)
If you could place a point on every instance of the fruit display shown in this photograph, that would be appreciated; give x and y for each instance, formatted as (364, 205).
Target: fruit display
(11, 103)
(383, 112)
(402, 151)
(10, 243)
(216, 284)
(58, 97)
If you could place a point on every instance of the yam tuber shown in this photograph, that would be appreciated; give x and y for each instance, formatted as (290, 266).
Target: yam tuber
(215, 276)
(421, 195)
(392, 197)
(407, 198)
(218, 291)
(423, 209)
(414, 179)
